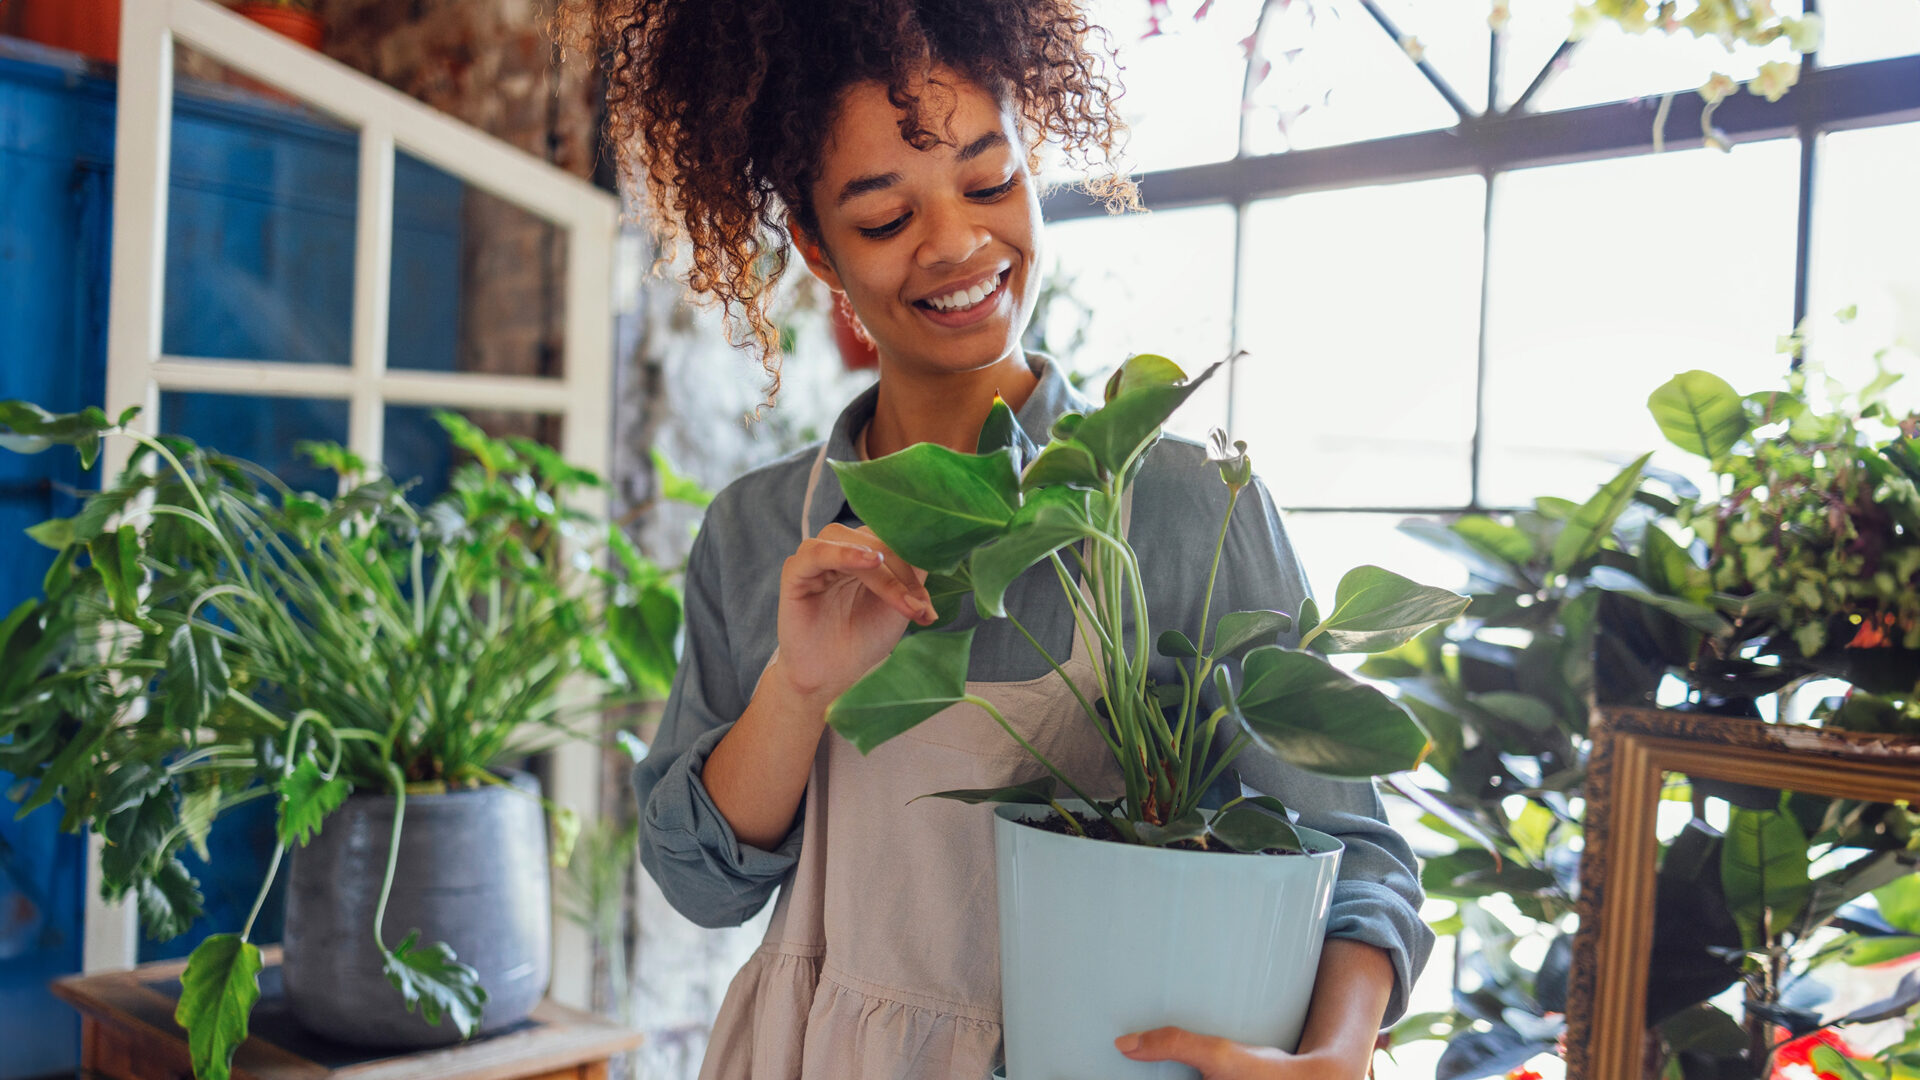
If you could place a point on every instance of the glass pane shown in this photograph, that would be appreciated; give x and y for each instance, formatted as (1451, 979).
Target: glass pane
(1866, 229)
(1360, 314)
(1604, 284)
(479, 284)
(417, 447)
(1869, 30)
(1610, 64)
(1182, 76)
(1454, 38)
(260, 223)
(1534, 30)
(1159, 282)
(1336, 77)
(262, 430)
(1329, 545)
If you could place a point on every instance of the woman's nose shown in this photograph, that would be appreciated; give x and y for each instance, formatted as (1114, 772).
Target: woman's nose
(952, 235)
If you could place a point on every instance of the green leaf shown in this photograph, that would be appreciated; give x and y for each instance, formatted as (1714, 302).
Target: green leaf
(432, 981)
(169, 901)
(1704, 619)
(1899, 903)
(217, 992)
(1500, 541)
(1239, 629)
(1763, 867)
(1312, 714)
(1830, 1062)
(1050, 519)
(1185, 827)
(1469, 554)
(1517, 708)
(1142, 370)
(946, 591)
(196, 676)
(55, 533)
(198, 808)
(1032, 793)
(31, 429)
(996, 432)
(642, 635)
(306, 798)
(1593, 521)
(924, 674)
(1866, 952)
(1249, 830)
(1131, 418)
(1531, 829)
(933, 505)
(1699, 413)
(1175, 645)
(134, 837)
(1375, 610)
(1063, 462)
(1669, 569)
(116, 557)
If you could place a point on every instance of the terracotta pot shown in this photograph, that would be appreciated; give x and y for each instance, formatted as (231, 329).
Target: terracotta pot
(88, 27)
(301, 26)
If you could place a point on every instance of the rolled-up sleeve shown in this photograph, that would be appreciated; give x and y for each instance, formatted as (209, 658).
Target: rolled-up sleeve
(1378, 896)
(703, 869)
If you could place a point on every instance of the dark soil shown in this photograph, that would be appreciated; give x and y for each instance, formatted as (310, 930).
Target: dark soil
(1098, 829)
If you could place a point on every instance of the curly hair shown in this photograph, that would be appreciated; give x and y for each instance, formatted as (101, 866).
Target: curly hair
(720, 108)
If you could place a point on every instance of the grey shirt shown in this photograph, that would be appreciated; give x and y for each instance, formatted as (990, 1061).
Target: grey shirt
(732, 605)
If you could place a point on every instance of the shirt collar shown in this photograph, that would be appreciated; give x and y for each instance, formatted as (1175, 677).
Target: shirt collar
(1052, 397)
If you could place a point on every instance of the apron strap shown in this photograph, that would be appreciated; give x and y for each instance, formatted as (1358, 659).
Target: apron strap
(806, 503)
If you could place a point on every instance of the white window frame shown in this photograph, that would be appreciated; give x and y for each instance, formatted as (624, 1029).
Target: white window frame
(138, 371)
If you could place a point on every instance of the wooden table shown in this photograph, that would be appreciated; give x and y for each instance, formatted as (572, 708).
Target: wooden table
(128, 1033)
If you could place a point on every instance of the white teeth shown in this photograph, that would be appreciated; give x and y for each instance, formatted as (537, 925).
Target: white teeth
(966, 298)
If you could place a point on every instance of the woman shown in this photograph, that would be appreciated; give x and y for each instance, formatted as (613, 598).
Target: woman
(891, 144)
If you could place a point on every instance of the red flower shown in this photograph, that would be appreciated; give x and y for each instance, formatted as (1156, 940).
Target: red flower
(1523, 1073)
(1800, 1052)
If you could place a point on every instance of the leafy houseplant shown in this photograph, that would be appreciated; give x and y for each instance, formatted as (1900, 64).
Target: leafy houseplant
(1798, 565)
(976, 523)
(208, 637)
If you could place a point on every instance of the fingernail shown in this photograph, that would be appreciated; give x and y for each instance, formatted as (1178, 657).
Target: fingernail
(1127, 1044)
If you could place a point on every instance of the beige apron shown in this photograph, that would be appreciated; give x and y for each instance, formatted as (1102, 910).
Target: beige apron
(883, 958)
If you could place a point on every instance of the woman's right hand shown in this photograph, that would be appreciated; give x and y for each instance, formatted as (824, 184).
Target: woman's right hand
(845, 599)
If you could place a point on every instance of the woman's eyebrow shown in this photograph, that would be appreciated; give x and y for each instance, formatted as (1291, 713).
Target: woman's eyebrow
(865, 185)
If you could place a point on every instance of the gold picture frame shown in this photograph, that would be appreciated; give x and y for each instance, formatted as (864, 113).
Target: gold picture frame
(1632, 751)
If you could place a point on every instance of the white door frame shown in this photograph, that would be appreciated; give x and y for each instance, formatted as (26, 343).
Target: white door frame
(137, 370)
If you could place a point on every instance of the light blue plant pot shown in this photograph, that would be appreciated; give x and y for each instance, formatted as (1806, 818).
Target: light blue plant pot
(1098, 939)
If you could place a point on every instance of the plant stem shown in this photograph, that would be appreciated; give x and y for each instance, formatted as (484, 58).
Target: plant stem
(399, 781)
(1068, 818)
(193, 489)
(975, 699)
(1058, 670)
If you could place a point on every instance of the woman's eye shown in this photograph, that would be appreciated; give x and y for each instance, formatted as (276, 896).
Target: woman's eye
(995, 192)
(881, 232)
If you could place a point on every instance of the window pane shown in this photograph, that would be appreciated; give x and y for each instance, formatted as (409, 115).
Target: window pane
(260, 429)
(260, 215)
(1866, 230)
(479, 284)
(1336, 78)
(1610, 64)
(1534, 30)
(1329, 545)
(1360, 314)
(1182, 76)
(1869, 30)
(1606, 281)
(1454, 38)
(1159, 282)
(417, 447)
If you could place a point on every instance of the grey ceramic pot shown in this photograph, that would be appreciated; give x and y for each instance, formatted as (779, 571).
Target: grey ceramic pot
(1098, 939)
(472, 872)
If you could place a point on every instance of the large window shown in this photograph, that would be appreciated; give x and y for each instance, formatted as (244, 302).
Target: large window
(1458, 265)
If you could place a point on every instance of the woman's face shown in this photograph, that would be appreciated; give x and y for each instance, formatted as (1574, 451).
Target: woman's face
(936, 249)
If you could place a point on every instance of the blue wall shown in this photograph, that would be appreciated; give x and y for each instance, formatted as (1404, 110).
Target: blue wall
(260, 255)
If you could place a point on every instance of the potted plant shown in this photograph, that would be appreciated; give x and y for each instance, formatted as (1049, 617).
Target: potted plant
(208, 637)
(976, 524)
(1799, 565)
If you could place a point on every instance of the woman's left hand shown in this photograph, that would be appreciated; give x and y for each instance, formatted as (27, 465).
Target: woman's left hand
(1224, 1059)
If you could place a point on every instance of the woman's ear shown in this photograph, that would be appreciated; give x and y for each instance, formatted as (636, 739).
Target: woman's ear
(816, 258)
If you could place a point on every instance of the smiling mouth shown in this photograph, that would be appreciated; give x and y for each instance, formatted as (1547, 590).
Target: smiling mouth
(965, 300)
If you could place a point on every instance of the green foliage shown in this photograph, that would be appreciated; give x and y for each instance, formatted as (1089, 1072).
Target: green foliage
(978, 526)
(431, 981)
(217, 992)
(209, 636)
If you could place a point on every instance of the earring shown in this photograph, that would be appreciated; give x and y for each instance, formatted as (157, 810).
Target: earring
(852, 320)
